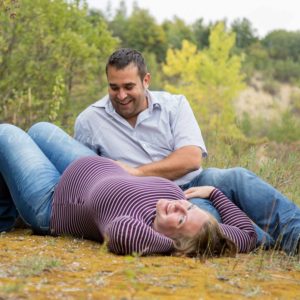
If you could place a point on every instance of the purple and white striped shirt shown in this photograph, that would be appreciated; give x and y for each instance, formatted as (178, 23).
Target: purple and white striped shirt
(96, 199)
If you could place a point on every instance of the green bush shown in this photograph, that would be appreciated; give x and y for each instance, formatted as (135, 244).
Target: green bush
(271, 87)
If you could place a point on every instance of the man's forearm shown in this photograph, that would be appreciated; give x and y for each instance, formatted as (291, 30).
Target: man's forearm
(176, 165)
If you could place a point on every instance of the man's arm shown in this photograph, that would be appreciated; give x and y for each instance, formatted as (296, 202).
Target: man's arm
(177, 164)
(188, 146)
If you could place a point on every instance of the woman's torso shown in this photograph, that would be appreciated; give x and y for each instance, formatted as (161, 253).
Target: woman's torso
(93, 191)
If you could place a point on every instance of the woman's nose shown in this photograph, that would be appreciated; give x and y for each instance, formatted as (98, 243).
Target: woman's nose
(179, 207)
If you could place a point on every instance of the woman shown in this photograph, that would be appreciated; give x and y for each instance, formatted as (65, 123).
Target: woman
(61, 187)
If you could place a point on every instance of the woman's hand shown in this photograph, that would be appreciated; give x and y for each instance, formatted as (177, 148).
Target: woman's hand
(199, 192)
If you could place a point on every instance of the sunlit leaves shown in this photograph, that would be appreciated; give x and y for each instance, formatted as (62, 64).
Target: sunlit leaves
(210, 79)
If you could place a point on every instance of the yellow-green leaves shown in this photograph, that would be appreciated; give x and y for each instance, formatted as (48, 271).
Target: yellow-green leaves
(210, 79)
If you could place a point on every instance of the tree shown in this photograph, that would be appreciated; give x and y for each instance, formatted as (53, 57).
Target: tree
(49, 46)
(283, 45)
(210, 79)
(119, 24)
(283, 50)
(144, 34)
(177, 31)
(245, 33)
(201, 33)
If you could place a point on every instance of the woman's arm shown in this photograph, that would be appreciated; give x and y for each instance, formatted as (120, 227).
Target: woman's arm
(236, 225)
(127, 236)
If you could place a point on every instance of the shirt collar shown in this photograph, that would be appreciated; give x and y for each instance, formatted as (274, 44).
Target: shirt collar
(153, 102)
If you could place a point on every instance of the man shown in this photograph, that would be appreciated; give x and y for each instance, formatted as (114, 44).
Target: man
(156, 134)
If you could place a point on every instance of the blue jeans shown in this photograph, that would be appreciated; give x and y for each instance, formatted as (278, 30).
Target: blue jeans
(31, 165)
(277, 219)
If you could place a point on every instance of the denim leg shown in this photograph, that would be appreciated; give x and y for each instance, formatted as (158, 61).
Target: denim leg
(265, 205)
(57, 145)
(8, 211)
(29, 175)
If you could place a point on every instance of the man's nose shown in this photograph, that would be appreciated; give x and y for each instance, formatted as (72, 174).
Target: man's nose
(122, 94)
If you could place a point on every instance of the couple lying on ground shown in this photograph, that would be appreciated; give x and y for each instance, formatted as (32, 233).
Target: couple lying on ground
(59, 186)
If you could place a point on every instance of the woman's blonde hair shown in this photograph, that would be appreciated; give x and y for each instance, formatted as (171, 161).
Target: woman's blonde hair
(208, 242)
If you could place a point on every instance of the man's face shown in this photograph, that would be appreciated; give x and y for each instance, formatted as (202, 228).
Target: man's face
(127, 91)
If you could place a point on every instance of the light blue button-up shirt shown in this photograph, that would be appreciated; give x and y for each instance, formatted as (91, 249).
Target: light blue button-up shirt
(165, 126)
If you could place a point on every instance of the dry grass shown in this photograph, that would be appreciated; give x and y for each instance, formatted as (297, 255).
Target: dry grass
(35, 267)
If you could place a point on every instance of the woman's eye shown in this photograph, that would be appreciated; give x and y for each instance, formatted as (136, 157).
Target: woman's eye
(181, 220)
(191, 206)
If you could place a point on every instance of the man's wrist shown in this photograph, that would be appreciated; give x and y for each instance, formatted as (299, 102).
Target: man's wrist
(139, 172)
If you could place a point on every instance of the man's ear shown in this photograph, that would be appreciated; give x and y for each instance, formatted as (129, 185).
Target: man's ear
(147, 80)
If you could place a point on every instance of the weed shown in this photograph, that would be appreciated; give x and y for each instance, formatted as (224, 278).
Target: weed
(11, 288)
(33, 266)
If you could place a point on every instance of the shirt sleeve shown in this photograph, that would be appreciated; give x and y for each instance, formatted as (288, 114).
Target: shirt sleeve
(127, 236)
(185, 127)
(236, 225)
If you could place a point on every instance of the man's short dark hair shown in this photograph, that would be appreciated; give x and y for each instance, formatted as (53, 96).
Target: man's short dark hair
(125, 56)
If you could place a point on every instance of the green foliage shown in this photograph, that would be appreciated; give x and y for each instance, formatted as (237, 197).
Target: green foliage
(286, 70)
(283, 45)
(155, 70)
(287, 130)
(210, 79)
(144, 34)
(49, 41)
(295, 104)
(119, 24)
(177, 31)
(271, 87)
(201, 33)
(283, 58)
(139, 31)
(58, 96)
(245, 33)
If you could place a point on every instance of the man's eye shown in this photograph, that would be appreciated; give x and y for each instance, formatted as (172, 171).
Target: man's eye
(130, 87)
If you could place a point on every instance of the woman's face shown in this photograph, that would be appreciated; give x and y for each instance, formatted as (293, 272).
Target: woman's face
(178, 218)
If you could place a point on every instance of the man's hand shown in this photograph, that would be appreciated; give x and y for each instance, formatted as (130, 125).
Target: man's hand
(199, 192)
(176, 165)
(130, 170)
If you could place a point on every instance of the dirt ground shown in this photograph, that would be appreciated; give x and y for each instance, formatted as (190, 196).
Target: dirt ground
(37, 267)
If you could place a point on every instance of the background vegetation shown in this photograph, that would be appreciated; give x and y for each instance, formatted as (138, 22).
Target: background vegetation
(53, 54)
(52, 57)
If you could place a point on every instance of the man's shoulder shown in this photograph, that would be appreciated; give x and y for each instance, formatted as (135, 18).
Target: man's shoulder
(165, 97)
(166, 100)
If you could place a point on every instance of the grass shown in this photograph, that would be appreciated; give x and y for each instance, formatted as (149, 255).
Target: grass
(34, 266)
